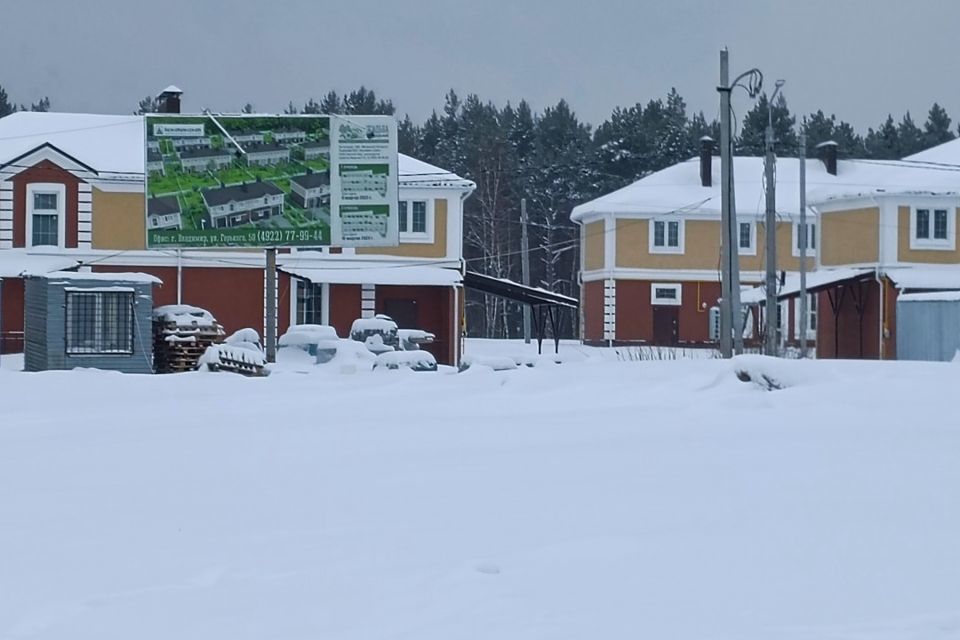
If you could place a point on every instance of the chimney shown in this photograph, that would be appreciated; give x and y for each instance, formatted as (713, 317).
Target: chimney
(169, 100)
(828, 154)
(706, 161)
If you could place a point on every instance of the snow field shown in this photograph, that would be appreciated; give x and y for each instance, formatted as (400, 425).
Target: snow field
(591, 499)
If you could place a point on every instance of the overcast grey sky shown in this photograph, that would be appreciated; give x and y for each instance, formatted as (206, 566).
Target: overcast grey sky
(858, 58)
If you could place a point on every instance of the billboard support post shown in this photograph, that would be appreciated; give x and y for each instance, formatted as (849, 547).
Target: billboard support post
(270, 331)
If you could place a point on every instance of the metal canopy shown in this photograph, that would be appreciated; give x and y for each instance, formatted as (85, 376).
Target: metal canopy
(534, 296)
(542, 303)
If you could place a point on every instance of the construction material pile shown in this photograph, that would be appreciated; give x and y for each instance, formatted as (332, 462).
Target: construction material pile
(181, 335)
(241, 353)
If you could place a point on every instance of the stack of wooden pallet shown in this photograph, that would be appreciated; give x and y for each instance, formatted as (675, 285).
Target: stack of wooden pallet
(181, 335)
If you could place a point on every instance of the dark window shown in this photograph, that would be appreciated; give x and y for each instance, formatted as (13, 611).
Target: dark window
(45, 230)
(309, 303)
(403, 216)
(418, 218)
(746, 235)
(666, 293)
(923, 224)
(45, 201)
(811, 235)
(673, 234)
(940, 224)
(99, 322)
(658, 234)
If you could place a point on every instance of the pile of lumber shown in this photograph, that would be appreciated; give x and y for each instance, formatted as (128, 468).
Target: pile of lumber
(181, 335)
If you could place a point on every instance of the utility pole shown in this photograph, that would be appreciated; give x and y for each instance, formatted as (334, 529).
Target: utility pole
(525, 265)
(270, 337)
(726, 315)
(804, 312)
(770, 230)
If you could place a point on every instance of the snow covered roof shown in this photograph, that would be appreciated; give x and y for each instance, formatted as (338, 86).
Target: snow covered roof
(925, 277)
(791, 285)
(931, 296)
(114, 145)
(373, 272)
(15, 263)
(142, 278)
(677, 189)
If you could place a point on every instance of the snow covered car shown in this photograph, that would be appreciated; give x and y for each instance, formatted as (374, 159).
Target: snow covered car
(413, 360)
(379, 333)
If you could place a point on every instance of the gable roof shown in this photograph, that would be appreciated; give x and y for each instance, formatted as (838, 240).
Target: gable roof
(678, 188)
(265, 148)
(312, 180)
(17, 162)
(240, 193)
(164, 205)
(205, 152)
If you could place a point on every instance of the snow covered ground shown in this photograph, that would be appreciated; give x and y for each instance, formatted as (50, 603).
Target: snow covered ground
(590, 499)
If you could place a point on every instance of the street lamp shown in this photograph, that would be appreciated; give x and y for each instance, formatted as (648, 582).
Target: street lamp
(731, 330)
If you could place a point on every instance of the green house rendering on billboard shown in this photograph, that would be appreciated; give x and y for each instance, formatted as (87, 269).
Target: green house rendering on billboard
(234, 181)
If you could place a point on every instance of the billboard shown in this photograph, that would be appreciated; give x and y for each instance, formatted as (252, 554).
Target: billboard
(271, 181)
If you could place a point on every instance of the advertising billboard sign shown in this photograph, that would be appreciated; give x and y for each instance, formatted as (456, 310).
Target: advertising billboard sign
(271, 181)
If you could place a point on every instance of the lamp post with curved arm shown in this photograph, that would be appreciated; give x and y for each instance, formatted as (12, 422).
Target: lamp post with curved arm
(731, 325)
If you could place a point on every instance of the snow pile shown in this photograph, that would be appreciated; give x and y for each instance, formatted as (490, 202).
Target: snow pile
(414, 360)
(185, 315)
(245, 339)
(497, 363)
(600, 499)
(411, 339)
(349, 357)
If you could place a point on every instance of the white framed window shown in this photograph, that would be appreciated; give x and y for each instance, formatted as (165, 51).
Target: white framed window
(46, 214)
(933, 227)
(811, 323)
(415, 220)
(811, 239)
(666, 236)
(666, 294)
(747, 238)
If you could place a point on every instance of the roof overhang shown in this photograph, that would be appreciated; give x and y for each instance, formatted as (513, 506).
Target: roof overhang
(399, 274)
(515, 291)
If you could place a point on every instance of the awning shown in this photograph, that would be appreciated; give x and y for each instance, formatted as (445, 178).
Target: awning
(16, 263)
(815, 280)
(377, 274)
(515, 291)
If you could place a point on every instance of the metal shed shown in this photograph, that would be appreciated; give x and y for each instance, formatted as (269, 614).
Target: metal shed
(928, 326)
(95, 320)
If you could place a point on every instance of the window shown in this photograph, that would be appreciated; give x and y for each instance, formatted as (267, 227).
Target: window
(932, 228)
(415, 221)
(418, 217)
(99, 322)
(45, 214)
(666, 236)
(309, 303)
(811, 317)
(811, 239)
(746, 240)
(666, 294)
(45, 202)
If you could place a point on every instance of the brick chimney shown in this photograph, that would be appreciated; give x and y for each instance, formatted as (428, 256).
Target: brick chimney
(706, 161)
(827, 151)
(169, 100)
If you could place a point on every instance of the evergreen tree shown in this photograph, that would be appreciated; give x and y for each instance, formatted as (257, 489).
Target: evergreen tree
(752, 139)
(312, 106)
(428, 146)
(43, 105)
(6, 108)
(698, 128)
(291, 109)
(247, 108)
(936, 130)
(819, 127)
(407, 136)
(910, 137)
(148, 105)
(331, 104)
(364, 101)
(884, 143)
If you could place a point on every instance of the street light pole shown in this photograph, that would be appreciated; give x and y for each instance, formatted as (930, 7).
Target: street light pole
(731, 330)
